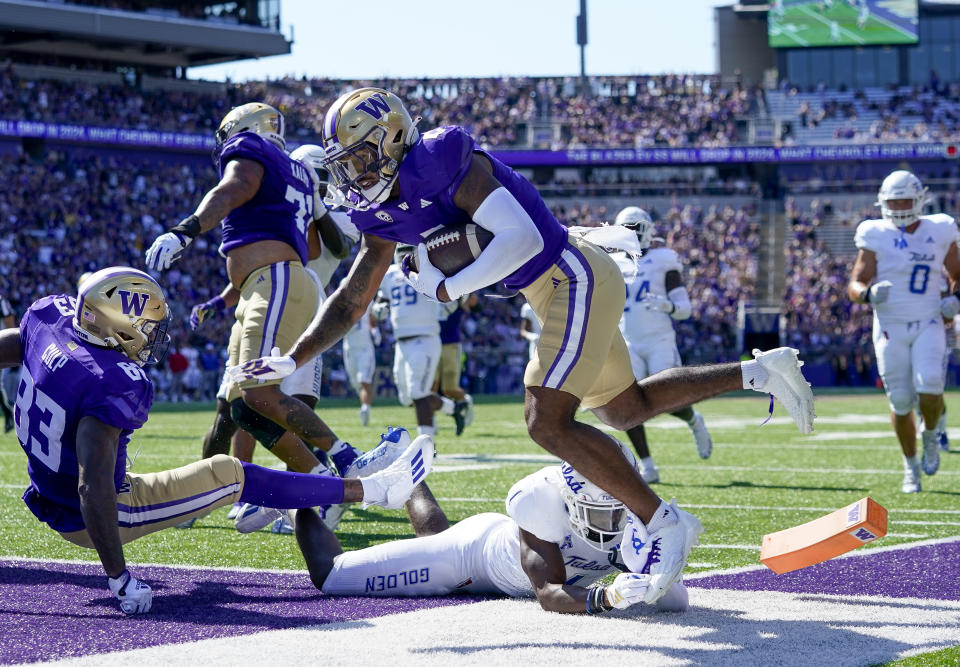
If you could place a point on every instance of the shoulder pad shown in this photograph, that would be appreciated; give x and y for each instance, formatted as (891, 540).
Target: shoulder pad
(536, 505)
(437, 162)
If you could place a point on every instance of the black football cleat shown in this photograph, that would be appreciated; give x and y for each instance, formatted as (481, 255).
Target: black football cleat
(460, 411)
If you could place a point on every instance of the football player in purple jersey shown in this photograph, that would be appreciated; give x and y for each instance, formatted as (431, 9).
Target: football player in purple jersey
(402, 186)
(265, 200)
(83, 392)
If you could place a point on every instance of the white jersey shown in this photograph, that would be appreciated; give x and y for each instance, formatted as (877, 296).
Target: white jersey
(359, 335)
(326, 263)
(648, 275)
(913, 269)
(480, 554)
(411, 313)
(526, 313)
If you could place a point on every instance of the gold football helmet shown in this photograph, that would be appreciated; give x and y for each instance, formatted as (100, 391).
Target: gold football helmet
(124, 309)
(256, 117)
(365, 136)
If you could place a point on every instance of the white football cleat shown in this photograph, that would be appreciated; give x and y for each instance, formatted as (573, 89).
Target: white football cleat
(931, 452)
(392, 487)
(252, 518)
(392, 445)
(283, 525)
(787, 384)
(331, 515)
(701, 436)
(234, 510)
(911, 477)
(669, 548)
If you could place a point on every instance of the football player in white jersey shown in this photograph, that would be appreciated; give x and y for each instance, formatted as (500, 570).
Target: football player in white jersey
(415, 321)
(561, 535)
(360, 359)
(655, 298)
(529, 328)
(897, 272)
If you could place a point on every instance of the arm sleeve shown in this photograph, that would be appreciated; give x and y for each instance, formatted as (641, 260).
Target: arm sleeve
(681, 303)
(516, 240)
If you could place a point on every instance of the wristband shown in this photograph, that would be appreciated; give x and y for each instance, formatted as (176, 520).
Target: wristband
(673, 308)
(117, 584)
(597, 600)
(189, 227)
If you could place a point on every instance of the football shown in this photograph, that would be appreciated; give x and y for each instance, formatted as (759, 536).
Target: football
(454, 247)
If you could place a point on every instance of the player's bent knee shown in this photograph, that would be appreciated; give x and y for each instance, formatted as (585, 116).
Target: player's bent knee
(266, 431)
(901, 402)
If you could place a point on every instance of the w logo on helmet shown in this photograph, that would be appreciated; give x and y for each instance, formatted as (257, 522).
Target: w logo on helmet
(375, 105)
(133, 303)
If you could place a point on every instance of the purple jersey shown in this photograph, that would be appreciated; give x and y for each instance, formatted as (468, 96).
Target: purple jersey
(430, 174)
(282, 209)
(450, 327)
(63, 380)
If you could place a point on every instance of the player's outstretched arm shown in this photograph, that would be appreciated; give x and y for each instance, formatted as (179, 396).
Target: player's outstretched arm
(11, 354)
(97, 459)
(240, 182)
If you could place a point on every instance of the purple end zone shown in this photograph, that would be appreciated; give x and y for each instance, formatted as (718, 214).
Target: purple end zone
(928, 571)
(58, 610)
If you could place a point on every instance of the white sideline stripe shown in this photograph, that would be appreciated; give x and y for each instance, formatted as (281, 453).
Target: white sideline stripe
(742, 547)
(214, 568)
(706, 467)
(927, 523)
(907, 535)
(767, 508)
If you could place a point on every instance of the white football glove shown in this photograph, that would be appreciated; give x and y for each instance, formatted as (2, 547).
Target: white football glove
(428, 279)
(635, 544)
(134, 595)
(949, 306)
(274, 367)
(659, 303)
(879, 292)
(165, 250)
(380, 310)
(627, 590)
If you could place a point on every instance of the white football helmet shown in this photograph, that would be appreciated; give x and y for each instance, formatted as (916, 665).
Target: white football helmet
(366, 131)
(255, 117)
(635, 218)
(901, 184)
(124, 309)
(594, 514)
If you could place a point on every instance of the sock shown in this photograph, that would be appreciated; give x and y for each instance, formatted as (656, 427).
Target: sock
(364, 407)
(426, 430)
(647, 463)
(447, 405)
(321, 469)
(754, 375)
(912, 461)
(343, 454)
(664, 516)
(288, 490)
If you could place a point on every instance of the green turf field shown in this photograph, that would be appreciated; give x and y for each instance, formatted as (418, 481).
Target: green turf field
(760, 479)
(812, 24)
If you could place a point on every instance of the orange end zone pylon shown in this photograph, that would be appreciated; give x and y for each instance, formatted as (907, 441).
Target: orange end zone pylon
(824, 538)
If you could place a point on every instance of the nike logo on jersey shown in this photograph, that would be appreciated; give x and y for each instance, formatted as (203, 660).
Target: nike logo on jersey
(424, 203)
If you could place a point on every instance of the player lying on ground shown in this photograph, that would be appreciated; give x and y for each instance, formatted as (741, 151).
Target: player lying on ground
(563, 533)
(83, 392)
